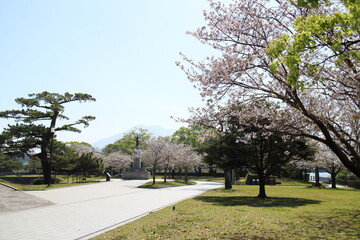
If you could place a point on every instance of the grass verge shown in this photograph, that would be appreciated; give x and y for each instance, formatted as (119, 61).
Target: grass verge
(283, 181)
(30, 187)
(161, 184)
(289, 213)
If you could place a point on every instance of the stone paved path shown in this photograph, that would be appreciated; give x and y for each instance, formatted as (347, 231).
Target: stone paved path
(85, 211)
(11, 200)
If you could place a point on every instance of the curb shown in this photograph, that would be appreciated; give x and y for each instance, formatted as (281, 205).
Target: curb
(13, 188)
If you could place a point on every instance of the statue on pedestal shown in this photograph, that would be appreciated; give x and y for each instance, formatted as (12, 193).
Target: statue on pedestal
(137, 171)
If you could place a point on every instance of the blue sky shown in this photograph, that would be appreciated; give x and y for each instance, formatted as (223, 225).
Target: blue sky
(122, 52)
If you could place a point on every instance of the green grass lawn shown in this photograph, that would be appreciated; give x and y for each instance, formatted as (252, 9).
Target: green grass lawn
(283, 181)
(208, 179)
(26, 187)
(288, 213)
(29, 187)
(292, 182)
(161, 184)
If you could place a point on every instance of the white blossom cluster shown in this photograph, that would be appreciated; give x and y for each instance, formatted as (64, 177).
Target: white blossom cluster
(322, 104)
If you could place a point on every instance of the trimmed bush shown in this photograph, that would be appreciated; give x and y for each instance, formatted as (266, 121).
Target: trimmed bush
(40, 181)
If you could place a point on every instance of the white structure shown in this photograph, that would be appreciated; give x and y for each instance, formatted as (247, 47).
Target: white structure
(324, 176)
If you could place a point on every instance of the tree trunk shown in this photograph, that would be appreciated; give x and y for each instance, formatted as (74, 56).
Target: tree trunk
(333, 177)
(317, 177)
(173, 174)
(232, 176)
(333, 180)
(165, 173)
(262, 193)
(228, 179)
(153, 173)
(305, 175)
(186, 175)
(46, 167)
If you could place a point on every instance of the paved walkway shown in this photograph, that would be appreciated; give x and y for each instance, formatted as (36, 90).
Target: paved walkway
(11, 200)
(83, 212)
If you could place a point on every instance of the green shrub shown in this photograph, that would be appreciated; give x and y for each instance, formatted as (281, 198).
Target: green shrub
(40, 181)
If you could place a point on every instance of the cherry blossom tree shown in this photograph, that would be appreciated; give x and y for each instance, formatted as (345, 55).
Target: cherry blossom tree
(244, 142)
(155, 154)
(324, 159)
(186, 158)
(309, 165)
(170, 155)
(302, 60)
(328, 161)
(117, 160)
(81, 147)
(161, 153)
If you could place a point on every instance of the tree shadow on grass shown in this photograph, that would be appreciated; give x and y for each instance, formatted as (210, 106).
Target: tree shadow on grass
(257, 202)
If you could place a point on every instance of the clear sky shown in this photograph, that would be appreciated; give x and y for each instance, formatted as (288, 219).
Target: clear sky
(122, 52)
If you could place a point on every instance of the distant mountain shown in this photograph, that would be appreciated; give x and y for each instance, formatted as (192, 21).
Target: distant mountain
(154, 130)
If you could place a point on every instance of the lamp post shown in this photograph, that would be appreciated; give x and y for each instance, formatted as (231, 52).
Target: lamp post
(52, 130)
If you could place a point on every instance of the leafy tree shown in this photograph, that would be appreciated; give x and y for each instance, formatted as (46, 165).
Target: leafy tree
(87, 164)
(304, 60)
(62, 157)
(127, 143)
(86, 160)
(34, 165)
(225, 152)
(38, 124)
(267, 151)
(8, 164)
(244, 141)
(220, 139)
(187, 136)
(80, 144)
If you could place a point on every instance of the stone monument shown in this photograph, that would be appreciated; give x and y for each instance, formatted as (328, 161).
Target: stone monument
(137, 171)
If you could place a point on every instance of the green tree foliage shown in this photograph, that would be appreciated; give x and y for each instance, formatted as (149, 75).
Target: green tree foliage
(88, 163)
(9, 164)
(307, 3)
(268, 151)
(35, 122)
(333, 36)
(127, 143)
(224, 151)
(84, 159)
(187, 136)
(63, 159)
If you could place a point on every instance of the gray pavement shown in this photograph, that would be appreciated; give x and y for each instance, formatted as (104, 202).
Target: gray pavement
(11, 200)
(83, 212)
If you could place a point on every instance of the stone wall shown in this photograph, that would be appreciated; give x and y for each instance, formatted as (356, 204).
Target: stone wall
(136, 175)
